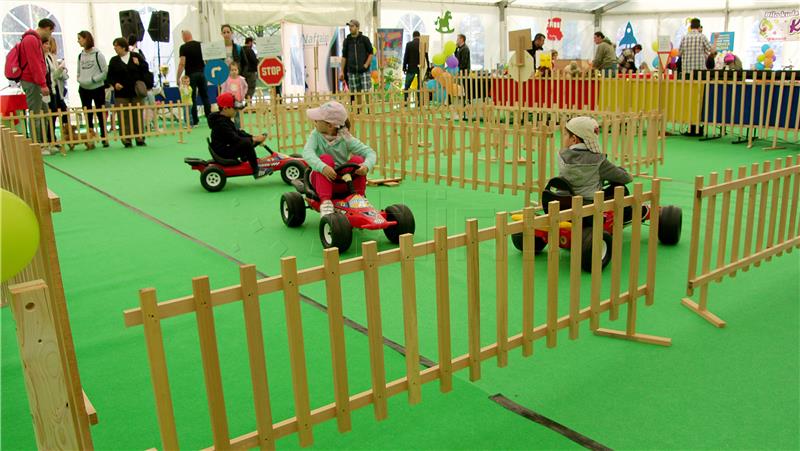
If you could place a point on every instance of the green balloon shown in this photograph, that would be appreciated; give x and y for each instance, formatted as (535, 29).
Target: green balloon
(449, 48)
(19, 234)
(439, 59)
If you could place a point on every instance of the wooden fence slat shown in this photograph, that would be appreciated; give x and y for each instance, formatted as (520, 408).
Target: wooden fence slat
(552, 272)
(443, 309)
(297, 355)
(473, 300)
(257, 358)
(410, 327)
(369, 251)
(333, 290)
(501, 288)
(210, 358)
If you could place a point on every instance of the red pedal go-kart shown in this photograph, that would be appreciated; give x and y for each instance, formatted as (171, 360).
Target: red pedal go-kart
(558, 189)
(214, 173)
(351, 211)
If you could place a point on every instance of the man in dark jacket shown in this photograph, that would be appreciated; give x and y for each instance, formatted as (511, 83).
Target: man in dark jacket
(230, 142)
(462, 54)
(411, 63)
(537, 45)
(356, 59)
(249, 67)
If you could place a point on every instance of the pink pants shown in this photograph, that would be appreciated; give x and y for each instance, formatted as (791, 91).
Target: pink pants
(326, 188)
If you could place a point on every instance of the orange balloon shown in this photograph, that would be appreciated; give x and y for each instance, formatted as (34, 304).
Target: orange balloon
(436, 72)
(674, 52)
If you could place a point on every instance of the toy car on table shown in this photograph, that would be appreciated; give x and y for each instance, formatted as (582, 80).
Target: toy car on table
(214, 173)
(558, 189)
(351, 211)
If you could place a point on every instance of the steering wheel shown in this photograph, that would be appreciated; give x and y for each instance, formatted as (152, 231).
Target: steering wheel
(347, 177)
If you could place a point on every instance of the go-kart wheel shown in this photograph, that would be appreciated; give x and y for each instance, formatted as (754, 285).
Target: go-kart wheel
(293, 209)
(538, 243)
(405, 222)
(586, 250)
(292, 171)
(295, 155)
(669, 225)
(335, 231)
(213, 179)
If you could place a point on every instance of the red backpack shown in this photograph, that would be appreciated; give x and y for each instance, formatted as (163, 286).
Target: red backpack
(14, 66)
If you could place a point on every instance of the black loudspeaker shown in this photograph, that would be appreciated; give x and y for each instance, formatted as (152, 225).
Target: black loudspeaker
(130, 23)
(158, 29)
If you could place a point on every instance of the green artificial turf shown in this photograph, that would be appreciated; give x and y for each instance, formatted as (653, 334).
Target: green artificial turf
(731, 388)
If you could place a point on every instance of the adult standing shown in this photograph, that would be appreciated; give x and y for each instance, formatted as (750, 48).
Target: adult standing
(605, 58)
(34, 72)
(537, 45)
(233, 52)
(694, 48)
(92, 70)
(249, 66)
(411, 64)
(124, 70)
(462, 55)
(191, 59)
(356, 59)
(57, 77)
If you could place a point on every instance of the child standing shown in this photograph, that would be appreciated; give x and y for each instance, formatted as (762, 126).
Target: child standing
(329, 145)
(185, 89)
(582, 164)
(236, 85)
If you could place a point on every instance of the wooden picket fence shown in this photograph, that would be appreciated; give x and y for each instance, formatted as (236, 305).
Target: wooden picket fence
(767, 228)
(60, 410)
(169, 119)
(203, 302)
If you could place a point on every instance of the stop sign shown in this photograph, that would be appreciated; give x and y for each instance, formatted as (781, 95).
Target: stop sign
(270, 71)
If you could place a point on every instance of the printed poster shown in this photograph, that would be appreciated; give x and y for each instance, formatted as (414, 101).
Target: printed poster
(390, 52)
(780, 25)
(722, 41)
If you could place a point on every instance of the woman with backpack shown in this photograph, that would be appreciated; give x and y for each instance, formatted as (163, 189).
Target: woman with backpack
(92, 70)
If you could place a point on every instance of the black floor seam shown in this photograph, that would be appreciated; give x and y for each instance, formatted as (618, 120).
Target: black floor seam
(525, 412)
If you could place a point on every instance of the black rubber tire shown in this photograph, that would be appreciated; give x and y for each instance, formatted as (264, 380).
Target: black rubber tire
(586, 250)
(293, 209)
(670, 221)
(295, 155)
(213, 179)
(405, 222)
(293, 170)
(335, 231)
(538, 243)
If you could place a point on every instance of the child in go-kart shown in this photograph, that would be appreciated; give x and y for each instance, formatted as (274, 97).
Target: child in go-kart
(582, 164)
(329, 145)
(230, 142)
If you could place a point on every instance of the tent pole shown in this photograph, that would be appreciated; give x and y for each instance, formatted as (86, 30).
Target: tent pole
(91, 18)
(727, 14)
(502, 5)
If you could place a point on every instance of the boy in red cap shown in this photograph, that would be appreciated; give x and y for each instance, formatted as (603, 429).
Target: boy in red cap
(229, 142)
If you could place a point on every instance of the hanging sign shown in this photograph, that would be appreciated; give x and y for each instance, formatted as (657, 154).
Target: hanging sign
(722, 41)
(271, 45)
(554, 29)
(664, 44)
(213, 50)
(780, 25)
(443, 23)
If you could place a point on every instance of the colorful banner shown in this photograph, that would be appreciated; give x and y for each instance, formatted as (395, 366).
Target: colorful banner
(780, 25)
(390, 52)
(722, 41)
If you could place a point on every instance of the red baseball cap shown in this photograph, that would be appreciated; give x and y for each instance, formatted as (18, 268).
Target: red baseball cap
(225, 100)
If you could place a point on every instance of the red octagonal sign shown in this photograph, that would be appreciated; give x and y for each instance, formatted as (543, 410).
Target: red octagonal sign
(270, 70)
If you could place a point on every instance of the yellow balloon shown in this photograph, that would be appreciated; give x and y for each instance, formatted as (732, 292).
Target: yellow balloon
(449, 48)
(654, 46)
(19, 234)
(760, 58)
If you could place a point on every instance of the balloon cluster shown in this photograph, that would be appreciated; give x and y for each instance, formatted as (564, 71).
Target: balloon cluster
(672, 59)
(445, 66)
(767, 58)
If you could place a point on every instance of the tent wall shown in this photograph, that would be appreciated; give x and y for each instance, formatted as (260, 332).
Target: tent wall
(488, 17)
(576, 28)
(312, 12)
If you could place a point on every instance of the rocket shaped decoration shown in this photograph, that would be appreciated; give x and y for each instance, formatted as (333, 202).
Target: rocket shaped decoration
(628, 40)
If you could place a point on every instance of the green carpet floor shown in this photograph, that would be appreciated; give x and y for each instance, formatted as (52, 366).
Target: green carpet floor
(735, 388)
